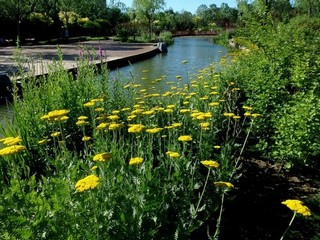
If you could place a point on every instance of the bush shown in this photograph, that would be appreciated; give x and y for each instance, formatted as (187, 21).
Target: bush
(166, 37)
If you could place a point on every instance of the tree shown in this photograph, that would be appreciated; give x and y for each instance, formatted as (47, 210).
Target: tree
(17, 10)
(147, 9)
(309, 7)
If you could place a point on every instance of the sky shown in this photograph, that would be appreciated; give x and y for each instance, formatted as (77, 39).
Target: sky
(188, 5)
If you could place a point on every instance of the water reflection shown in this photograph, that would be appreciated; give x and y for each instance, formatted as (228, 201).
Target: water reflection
(155, 72)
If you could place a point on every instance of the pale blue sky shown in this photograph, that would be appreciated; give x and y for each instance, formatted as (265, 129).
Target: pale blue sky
(188, 5)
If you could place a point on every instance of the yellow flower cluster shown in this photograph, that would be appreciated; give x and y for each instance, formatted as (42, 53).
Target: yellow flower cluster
(87, 183)
(11, 150)
(136, 128)
(173, 154)
(154, 130)
(210, 163)
(223, 184)
(102, 157)
(135, 161)
(297, 206)
(56, 115)
(185, 138)
(9, 141)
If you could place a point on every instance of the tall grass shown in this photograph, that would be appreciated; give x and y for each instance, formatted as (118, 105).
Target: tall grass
(152, 158)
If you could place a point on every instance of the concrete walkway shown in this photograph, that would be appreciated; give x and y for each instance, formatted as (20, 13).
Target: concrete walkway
(37, 59)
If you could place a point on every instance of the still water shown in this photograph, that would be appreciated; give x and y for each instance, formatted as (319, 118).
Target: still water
(198, 52)
(162, 68)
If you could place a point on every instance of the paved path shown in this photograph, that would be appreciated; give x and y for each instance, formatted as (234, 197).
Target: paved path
(37, 59)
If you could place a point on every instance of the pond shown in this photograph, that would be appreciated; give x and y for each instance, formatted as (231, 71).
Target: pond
(198, 52)
(164, 67)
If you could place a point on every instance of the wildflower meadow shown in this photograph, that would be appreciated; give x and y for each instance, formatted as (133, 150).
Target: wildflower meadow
(88, 158)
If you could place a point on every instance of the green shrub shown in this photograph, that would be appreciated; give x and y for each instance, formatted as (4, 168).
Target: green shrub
(166, 37)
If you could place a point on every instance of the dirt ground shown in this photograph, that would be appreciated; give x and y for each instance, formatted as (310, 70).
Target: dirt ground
(256, 211)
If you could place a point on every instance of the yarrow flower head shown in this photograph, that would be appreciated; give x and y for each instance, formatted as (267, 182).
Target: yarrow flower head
(102, 157)
(81, 123)
(86, 138)
(185, 138)
(135, 128)
(87, 183)
(56, 115)
(136, 161)
(297, 206)
(153, 130)
(173, 154)
(11, 150)
(224, 184)
(210, 163)
(55, 134)
(9, 141)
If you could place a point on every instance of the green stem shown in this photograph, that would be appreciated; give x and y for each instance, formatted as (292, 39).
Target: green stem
(290, 223)
(242, 149)
(96, 225)
(203, 190)
(216, 234)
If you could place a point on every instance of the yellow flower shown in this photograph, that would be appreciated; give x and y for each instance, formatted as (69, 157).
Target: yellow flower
(115, 112)
(94, 168)
(135, 128)
(171, 106)
(11, 150)
(86, 138)
(135, 161)
(89, 104)
(213, 104)
(97, 100)
(297, 206)
(224, 184)
(55, 134)
(131, 117)
(176, 125)
(255, 115)
(63, 118)
(114, 126)
(210, 163)
(204, 98)
(153, 130)
(113, 117)
(185, 138)
(185, 110)
(11, 140)
(173, 154)
(205, 125)
(125, 109)
(82, 123)
(236, 117)
(82, 118)
(102, 126)
(148, 113)
(228, 114)
(43, 141)
(87, 183)
(168, 110)
(102, 157)
(247, 108)
(56, 114)
(100, 109)
(217, 147)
